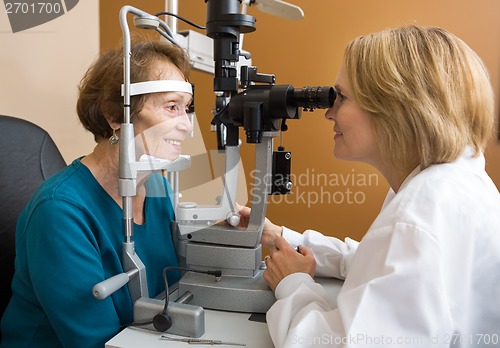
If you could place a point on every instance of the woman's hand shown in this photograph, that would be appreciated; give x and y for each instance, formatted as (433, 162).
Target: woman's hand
(270, 231)
(285, 260)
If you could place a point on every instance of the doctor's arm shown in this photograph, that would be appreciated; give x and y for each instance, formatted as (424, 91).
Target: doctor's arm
(284, 260)
(393, 293)
(333, 256)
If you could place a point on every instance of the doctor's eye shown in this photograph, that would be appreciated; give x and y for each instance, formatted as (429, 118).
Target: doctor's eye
(341, 96)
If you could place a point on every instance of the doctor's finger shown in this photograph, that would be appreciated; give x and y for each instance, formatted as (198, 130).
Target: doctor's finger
(273, 251)
(305, 251)
(272, 278)
(309, 262)
(282, 244)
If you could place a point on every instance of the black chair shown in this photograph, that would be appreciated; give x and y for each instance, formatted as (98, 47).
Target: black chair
(28, 156)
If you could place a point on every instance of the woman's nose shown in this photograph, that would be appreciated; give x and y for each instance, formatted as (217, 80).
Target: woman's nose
(330, 113)
(185, 123)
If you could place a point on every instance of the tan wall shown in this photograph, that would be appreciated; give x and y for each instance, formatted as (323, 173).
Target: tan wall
(309, 52)
(40, 69)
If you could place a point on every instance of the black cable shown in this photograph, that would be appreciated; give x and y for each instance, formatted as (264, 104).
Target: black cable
(166, 36)
(181, 18)
(141, 323)
(164, 314)
(168, 268)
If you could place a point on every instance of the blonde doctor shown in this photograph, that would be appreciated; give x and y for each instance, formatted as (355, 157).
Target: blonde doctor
(416, 104)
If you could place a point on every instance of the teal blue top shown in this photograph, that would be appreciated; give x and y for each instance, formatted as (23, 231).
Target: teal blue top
(69, 238)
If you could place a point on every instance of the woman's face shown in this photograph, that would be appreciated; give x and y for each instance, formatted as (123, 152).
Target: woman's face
(354, 136)
(163, 122)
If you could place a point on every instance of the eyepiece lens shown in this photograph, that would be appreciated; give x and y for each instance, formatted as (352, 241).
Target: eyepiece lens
(317, 97)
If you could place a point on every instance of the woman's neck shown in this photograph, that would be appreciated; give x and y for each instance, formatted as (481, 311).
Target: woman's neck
(103, 163)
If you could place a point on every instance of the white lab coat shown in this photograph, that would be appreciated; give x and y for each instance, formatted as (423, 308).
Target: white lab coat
(426, 274)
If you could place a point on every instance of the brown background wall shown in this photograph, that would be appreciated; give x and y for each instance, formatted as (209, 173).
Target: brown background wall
(336, 197)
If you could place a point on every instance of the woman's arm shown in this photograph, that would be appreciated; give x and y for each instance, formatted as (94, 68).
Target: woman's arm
(65, 260)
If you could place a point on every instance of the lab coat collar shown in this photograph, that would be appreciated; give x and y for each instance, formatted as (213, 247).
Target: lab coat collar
(466, 160)
(410, 176)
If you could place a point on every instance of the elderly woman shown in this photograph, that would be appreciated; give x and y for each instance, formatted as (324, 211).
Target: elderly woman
(416, 104)
(69, 237)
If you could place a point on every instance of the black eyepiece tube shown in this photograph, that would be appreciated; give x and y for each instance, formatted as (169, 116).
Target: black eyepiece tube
(317, 97)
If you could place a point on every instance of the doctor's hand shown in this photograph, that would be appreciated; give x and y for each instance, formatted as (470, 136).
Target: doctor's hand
(270, 231)
(285, 260)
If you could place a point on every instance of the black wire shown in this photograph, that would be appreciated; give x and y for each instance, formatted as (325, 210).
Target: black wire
(166, 36)
(168, 268)
(165, 270)
(167, 296)
(141, 323)
(181, 18)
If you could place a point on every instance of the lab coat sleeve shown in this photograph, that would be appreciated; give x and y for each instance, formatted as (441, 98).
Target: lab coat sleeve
(303, 313)
(392, 296)
(333, 256)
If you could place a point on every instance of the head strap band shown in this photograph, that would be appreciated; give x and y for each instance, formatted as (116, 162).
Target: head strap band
(159, 86)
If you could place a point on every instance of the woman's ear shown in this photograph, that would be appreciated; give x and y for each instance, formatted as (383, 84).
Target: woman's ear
(113, 124)
(109, 112)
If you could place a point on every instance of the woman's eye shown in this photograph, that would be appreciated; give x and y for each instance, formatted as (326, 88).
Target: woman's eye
(177, 109)
(341, 96)
(172, 108)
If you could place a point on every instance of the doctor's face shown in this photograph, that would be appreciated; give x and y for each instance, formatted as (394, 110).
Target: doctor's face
(354, 136)
(163, 122)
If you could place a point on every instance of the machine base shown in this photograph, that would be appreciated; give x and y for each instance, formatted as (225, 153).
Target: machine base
(231, 293)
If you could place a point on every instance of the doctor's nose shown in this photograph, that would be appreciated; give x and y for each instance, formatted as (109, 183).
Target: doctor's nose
(330, 113)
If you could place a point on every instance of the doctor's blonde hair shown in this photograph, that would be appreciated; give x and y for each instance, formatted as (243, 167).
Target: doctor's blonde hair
(428, 94)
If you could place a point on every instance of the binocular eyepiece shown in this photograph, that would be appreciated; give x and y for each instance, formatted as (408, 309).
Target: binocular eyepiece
(318, 97)
(264, 107)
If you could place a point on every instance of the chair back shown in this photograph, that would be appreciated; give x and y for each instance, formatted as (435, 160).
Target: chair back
(28, 156)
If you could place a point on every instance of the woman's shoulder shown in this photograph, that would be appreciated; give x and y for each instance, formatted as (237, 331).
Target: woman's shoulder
(71, 184)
